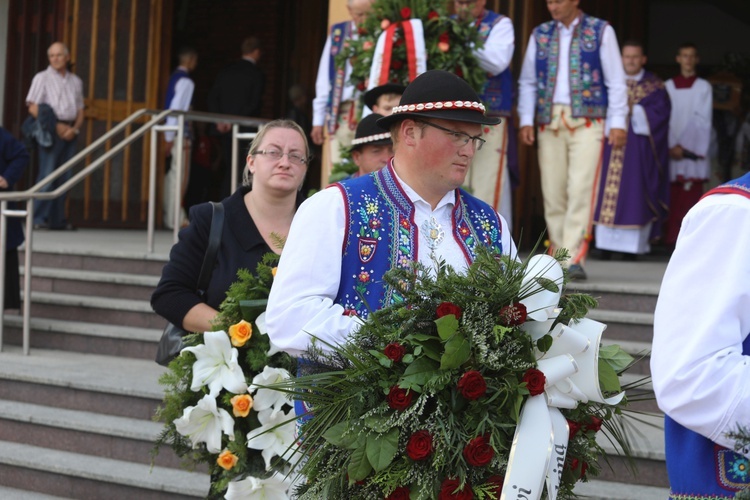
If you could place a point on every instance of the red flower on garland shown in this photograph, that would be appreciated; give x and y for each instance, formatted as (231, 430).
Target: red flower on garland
(472, 385)
(449, 487)
(573, 428)
(361, 86)
(397, 64)
(535, 381)
(478, 452)
(444, 38)
(595, 424)
(496, 482)
(405, 12)
(399, 399)
(446, 308)
(400, 493)
(419, 446)
(513, 315)
(394, 351)
(576, 465)
(432, 15)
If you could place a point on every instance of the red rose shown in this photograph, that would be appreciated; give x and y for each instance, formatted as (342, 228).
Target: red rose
(513, 315)
(399, 42)
(399, 399)
(419, 446)
(405, 12)
(575, 464)
(595, 424)
(361, 86)
(361, 30)
(400, 493)
(432, 15)
(535, 381)
(459, 72)
(449, 487)
(397, 64)
(446, 308)
(394, 351)
(472, 385)
(444, 38)
(573, 428)
(479, 452)
(496, 482)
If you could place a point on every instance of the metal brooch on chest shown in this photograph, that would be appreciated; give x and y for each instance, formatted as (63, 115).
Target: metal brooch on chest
(433, 232)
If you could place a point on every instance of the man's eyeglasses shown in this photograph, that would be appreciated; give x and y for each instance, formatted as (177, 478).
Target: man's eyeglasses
(460, 139)
(276, 155)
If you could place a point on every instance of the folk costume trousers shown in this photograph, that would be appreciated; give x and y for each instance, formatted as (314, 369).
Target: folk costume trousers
(346, 126)
(488, 178)
(570, 155)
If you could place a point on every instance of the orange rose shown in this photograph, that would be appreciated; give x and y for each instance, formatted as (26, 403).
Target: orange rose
(241, 405)
(240, 333)
(273, 271)
(227, 460)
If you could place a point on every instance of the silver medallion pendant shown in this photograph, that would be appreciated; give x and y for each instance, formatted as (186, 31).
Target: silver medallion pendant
(433, 233)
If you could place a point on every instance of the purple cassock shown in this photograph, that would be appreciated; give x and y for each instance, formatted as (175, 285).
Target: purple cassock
(634, 188)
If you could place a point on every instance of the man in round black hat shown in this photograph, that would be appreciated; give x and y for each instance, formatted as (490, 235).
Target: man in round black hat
(383, 98)
(344, 238)
(372, 146)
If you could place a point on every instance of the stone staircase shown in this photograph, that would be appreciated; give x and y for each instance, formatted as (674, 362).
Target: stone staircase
(76, 415)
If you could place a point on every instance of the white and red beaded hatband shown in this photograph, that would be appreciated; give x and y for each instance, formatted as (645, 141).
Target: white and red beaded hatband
(432, 106)
(371, 138)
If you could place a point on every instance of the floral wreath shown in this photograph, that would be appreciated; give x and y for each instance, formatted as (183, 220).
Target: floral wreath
(428, 398)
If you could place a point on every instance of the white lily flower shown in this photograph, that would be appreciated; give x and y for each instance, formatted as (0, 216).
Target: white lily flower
(273, 488)
(260, 323)
(264, 398)
(274, 436)
(204, 423)
(216, 365)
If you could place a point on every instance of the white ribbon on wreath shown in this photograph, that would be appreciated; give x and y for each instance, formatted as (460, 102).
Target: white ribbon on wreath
(572, 376)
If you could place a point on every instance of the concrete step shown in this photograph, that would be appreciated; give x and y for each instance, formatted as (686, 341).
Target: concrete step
(98, 258)
(625, 325)
(621, 296)
(86, 382)
(103, 310)
(83, 432)
(81, 476)
(16, 494)
(610, 490)
(77, 336)
(96, 283)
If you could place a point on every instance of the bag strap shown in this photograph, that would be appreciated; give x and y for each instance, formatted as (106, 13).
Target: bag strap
(214, 240)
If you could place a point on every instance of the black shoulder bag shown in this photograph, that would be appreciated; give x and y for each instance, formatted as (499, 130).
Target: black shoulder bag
(171, 343)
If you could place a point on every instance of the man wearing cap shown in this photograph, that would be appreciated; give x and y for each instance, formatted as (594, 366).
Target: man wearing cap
(490, 175)
(372, 146)
(344, 238)
(383, 98)
(571, 80)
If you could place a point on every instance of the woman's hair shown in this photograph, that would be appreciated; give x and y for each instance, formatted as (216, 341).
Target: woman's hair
(255, 145)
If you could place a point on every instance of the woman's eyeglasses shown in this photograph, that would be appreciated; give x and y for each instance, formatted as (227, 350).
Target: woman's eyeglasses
(276, 155)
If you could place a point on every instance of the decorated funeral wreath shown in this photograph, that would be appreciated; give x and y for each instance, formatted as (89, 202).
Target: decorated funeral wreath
(474, 382)
(447, 42)
(216, 411)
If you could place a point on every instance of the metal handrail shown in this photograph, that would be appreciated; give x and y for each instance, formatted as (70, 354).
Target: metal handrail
(153, 125)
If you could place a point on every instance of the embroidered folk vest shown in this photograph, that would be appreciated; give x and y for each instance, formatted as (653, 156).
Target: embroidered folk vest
(382, 235)
(340, 33)
(588, 94)
(700, 468)
(497, 92)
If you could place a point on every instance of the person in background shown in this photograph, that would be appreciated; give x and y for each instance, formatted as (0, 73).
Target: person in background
(634, 191)
(491, 173)
(383, 98)
(335, 103)
(689, 138)
(13, 160)
(255, 216)
(569, 102)
(700, 358)
(179, 96)
(238, 90)
(56, 96)
(372, 146)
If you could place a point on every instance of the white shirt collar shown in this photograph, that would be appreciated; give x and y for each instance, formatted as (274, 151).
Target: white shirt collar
(572, 26)
(449, 198)
(637, 77)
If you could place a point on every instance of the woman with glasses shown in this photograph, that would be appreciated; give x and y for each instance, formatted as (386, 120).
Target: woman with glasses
(256, 217)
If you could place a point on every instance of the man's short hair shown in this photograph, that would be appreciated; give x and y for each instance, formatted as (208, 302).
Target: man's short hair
(186, 53)
(687, 45)
(634, 43)
(250, 45)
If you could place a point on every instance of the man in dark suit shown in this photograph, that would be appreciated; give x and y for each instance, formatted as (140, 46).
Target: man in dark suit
(238, 90)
